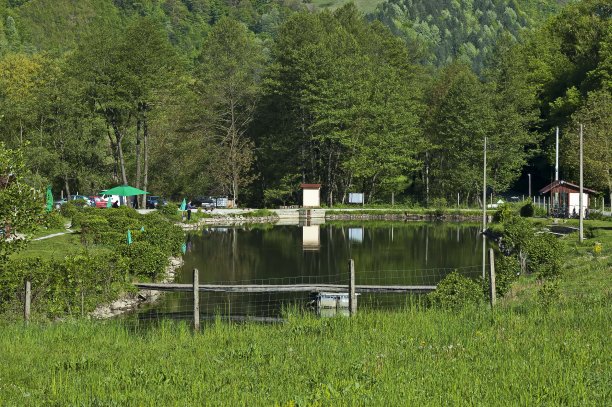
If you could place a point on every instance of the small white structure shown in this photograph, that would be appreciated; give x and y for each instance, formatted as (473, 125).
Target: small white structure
(574, 203)
(311, 237)
(311, 195)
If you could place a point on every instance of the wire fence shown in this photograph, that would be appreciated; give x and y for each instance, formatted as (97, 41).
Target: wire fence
(259, 299)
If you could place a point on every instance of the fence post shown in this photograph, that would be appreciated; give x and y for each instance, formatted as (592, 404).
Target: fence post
(28, 298)
(352, 296)
(492, 277)
(196, 300)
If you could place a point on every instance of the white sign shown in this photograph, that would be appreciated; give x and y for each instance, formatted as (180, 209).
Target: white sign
(356, 197)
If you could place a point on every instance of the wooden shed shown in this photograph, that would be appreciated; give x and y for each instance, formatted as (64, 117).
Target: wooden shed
(311, 195)
(565, 198)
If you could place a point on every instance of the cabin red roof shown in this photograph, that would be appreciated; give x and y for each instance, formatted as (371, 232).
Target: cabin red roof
(310, 186)
(560, 184)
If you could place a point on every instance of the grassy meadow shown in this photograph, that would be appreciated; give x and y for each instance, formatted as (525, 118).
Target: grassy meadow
(545, 344)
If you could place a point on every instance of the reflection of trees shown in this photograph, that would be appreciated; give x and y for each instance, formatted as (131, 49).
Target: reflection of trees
(389, 254)
(240, 254)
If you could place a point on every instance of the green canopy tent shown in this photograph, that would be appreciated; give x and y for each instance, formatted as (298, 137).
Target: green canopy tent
(124, 190)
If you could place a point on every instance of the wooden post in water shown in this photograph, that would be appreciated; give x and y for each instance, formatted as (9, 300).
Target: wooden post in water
(27, 302)
(352, 296)
(492, 277)
(196, 300)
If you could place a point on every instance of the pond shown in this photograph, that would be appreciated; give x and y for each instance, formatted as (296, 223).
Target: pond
(384, 253)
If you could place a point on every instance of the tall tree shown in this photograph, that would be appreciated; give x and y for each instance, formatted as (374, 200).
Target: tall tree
(596, 117)
(229, 88)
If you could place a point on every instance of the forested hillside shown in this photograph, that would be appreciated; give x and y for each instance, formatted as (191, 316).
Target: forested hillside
(441, 31)
(250, 98)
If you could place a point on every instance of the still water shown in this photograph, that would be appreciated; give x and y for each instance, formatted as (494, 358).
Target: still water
(384, 254)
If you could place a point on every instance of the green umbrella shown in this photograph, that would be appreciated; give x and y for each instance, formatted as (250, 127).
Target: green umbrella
(124, 190)
(184, 205)
(49, 199)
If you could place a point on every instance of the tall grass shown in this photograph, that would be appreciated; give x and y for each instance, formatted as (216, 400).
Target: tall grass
(409, 357)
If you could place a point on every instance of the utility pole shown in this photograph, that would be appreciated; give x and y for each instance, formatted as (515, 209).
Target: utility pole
(580, 201)
(484, 209)
(484, 188)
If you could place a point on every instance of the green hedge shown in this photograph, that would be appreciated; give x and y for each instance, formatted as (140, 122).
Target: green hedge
(60, 286)
(102, 271)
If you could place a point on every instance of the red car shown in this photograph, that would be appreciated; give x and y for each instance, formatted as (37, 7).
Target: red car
(99, 201)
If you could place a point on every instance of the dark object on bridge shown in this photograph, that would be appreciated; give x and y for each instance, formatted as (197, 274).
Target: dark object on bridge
(564, 198)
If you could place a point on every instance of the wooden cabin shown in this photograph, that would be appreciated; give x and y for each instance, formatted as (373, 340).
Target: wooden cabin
(565, 199)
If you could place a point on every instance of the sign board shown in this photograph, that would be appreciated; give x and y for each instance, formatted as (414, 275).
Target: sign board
(356, 197)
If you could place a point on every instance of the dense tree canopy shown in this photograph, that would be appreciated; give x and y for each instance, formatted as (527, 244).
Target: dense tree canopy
(250, 98)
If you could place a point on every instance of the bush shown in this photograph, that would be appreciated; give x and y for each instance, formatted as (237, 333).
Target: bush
(504, 213)
(456, 291)
(69, 209)
(57, 284)
(544, 256)
(92, 228)
(53, 220)
(507, 270)
(146, 259)
(527, 210)
(171, 209)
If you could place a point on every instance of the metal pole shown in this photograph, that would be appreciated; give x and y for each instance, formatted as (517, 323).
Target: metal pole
(196, 300)
(581, 189)
(484, 208)
(352, 296)
(484, 188)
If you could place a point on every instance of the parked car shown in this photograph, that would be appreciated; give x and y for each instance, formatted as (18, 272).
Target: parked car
(99, 202)
(204, 202)
(82, 198)
(154, 201)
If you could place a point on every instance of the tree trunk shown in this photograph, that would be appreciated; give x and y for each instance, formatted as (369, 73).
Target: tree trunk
(67, 186)
(330, 197)
(119, 138)
(138, 159)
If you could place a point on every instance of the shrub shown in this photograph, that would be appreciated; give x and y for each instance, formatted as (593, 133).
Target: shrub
(69, 209)
(527, 210)
(92, 228)
(57, 284)
(507, 270)
(544, 256)
(503, 213)
(53, 220)
(456, 291)
(146, 259)
(171, 209)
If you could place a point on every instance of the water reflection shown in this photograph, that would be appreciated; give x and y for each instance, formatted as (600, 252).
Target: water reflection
(385, 254)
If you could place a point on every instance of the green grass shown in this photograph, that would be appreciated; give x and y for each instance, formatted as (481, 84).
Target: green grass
(413, 357)
(525, 352)
(56, 247)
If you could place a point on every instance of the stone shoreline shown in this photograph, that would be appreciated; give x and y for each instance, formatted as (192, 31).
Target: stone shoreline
(130, 302)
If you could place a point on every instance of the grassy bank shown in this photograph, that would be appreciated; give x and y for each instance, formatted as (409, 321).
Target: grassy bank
(547, 343)
(546, 356)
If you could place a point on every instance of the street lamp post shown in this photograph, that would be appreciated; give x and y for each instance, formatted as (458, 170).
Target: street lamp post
(529, 175)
